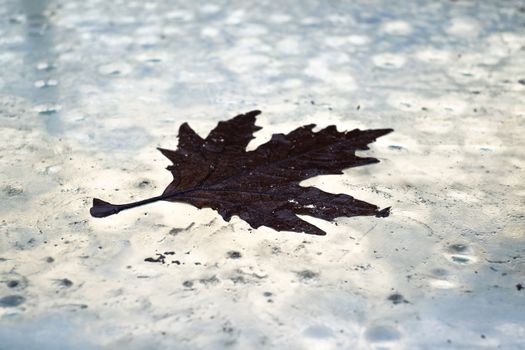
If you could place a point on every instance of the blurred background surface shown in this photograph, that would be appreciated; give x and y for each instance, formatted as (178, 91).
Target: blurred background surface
(89, 88)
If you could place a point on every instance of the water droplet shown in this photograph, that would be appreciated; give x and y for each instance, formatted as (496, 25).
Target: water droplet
(48, 108)
(460, 254)
(53, 169)
(151, 57)
(45, 66)
(442, 284)
(11, 301)
(439, 272)
(17, 19)
(45, 83)
(115, 69)
(382, 334)
(318, 331)
(458, 248)
(461, 259)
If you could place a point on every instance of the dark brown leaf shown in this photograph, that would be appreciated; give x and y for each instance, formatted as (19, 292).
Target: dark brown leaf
(262, 186)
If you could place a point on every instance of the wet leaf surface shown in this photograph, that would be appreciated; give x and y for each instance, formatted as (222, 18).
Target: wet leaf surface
(262, 186)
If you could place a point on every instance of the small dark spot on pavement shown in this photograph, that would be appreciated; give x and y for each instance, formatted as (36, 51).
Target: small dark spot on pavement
(232, 254)
(307, 275)
(13, 283)
(187, 284)
(11, 301)
(397, 298)
(64, 282)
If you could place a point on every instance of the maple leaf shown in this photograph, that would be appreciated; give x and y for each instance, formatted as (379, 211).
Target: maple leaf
(262, 186)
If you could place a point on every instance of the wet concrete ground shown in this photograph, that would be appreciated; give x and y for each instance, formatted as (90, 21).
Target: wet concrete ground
(88, 89)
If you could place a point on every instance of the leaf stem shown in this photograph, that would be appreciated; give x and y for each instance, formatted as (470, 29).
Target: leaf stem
(101, 209)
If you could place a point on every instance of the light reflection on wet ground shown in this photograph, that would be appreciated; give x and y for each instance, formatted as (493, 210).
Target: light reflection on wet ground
(88, 89)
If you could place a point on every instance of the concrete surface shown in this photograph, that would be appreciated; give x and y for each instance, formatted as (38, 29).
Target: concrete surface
(89, 88)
